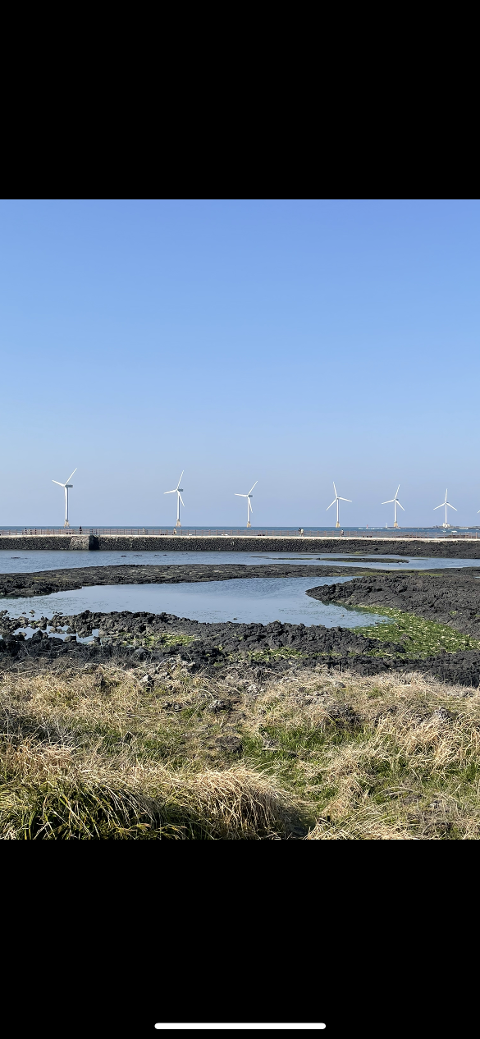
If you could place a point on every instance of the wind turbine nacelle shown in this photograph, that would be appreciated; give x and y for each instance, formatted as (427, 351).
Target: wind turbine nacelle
(69, 485)
(180, 489)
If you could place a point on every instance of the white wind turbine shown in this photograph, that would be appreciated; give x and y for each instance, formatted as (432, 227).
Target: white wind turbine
(336, 499)
(177, 490)
(249, 504)
(66, 486)
(446, 505)
(396, 502)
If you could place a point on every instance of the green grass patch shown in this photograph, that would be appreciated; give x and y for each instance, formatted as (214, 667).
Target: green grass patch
(165, 638)
(419, 637)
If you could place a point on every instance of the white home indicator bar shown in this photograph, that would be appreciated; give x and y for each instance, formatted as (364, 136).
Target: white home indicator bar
(244, 1026)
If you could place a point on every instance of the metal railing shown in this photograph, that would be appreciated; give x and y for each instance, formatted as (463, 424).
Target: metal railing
(230, 532)
(168, 532)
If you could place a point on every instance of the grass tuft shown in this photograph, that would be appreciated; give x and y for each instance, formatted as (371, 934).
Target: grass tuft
(246, 754)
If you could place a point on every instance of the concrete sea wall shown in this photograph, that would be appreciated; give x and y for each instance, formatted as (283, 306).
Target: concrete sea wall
(449, 547)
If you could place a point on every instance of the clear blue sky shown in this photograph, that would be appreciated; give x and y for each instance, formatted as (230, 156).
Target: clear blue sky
(290, 342)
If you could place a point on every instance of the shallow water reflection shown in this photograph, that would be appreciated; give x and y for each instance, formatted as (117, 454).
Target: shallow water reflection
(246, 600)
(30, 562)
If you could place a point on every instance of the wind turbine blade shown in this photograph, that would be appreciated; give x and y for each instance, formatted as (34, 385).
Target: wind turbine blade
(335, 489)
(439, 506)
(345, 499)
(250, 504)
(389, 502)
(181, 499)
(251, 488)
(333, 503)
(397, 490)
(71, 474)
(451, 506)
(401, 506)
(168, 492)
(59, 484)
(180, 480)
(237, 495)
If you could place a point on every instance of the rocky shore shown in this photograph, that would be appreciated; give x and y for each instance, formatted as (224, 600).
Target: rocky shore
(151, 639)
(450, 597)
(131, 639)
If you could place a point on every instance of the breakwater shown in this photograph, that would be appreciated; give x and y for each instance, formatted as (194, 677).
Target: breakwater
(448, 547)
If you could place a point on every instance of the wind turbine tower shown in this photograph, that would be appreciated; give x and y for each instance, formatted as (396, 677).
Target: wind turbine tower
(336, 499)
(178, 491)
(395, 502)
(249, 504)
(445, 505)
(67, 487)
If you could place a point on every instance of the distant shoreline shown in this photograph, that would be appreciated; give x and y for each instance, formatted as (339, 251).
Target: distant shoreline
(446, 547)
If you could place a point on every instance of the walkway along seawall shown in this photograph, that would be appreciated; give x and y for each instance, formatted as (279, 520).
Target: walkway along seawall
(449, 547)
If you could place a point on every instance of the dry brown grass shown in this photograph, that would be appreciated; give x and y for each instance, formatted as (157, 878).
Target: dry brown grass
(98, 754)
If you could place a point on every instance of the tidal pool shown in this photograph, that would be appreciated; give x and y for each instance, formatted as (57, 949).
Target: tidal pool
(246, 600)
(32, 561)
